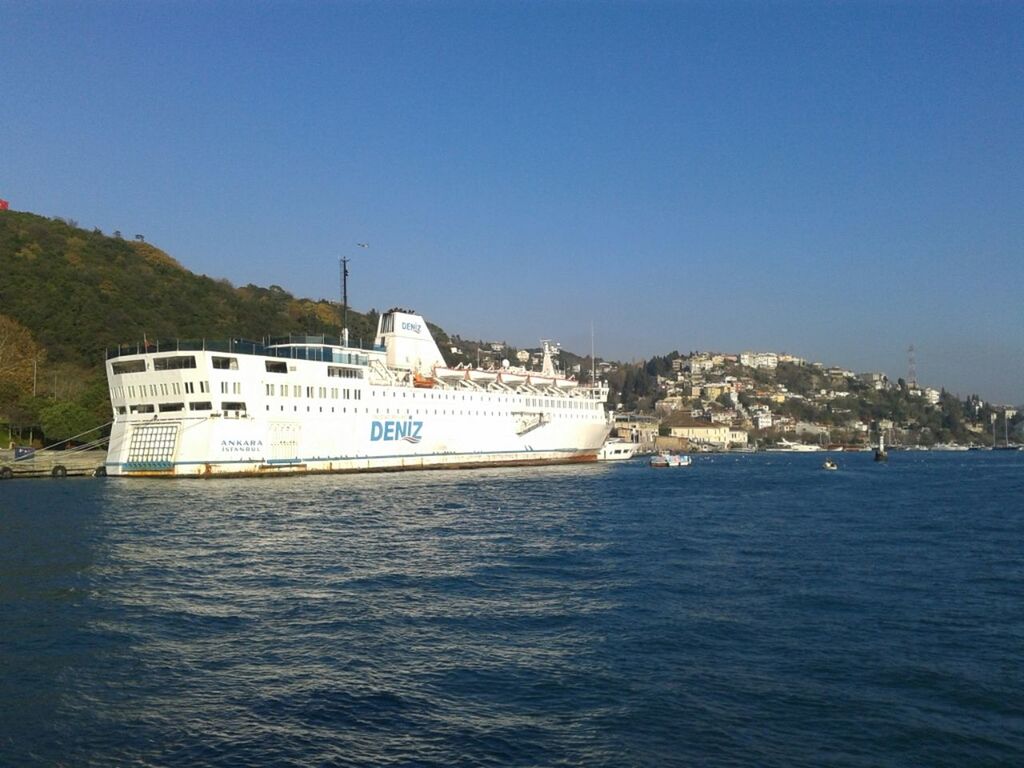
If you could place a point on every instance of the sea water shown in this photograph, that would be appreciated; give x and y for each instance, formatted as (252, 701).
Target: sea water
(749, 610)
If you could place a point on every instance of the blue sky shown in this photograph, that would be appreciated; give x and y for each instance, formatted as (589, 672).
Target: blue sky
(833, 180)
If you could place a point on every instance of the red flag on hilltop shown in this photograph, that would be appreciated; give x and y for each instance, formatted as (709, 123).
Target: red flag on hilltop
(4, 205)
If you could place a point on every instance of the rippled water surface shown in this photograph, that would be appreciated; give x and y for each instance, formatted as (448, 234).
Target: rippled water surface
(746, 611)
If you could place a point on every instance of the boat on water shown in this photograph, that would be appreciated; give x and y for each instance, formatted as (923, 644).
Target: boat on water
(786, 445)
(830, 465)
(666, 459)
(310, 404)
(616, 449)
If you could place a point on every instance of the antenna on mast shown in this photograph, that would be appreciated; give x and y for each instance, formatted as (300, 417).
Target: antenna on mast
(344, 301)
(343, 263)
(593, 360)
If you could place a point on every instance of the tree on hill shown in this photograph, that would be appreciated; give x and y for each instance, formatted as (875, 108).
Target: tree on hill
(661, 365)
(795, 378)
(60, 421)
(19, 357)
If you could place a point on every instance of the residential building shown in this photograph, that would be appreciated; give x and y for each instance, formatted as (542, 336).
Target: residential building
(637, 428)
(875, 380)
(768, 360)
(701, 364)
(808, 428)
(698, 432)
(837, 373)
(715, 390)
(671, 403)
(737, 437)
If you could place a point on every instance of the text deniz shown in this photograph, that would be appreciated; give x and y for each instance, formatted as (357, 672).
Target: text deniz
(414, 327)
(392, 429)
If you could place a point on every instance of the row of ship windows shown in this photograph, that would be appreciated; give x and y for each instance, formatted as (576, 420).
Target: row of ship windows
(226, 407)
(453, 412)
(182, 362)
(171, 388)
(177, 363)
(231, 388)
(334, 371)
(175, 407)
(239, 407)
(536, 402)
(272, 390)
(424, 412)
(296, 390)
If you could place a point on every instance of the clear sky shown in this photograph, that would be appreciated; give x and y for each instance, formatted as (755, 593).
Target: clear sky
(833, 180)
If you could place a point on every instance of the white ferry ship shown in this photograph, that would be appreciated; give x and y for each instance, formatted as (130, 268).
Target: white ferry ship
(304, 404)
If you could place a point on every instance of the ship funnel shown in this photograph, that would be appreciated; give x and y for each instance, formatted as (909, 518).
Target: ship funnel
(407, 340)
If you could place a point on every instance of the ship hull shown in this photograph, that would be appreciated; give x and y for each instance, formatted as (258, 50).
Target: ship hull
(246, 448)
(341, 467)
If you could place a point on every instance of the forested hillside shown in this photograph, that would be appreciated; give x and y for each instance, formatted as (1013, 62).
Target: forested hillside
(81, 291)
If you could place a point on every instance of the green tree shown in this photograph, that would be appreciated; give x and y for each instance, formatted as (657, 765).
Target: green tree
(18, 354)
(63, 420)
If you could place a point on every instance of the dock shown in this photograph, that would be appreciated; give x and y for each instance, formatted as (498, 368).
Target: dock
(54, 464)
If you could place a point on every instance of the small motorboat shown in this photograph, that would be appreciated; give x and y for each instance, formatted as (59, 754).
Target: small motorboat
(829, 464)
(666, 459)
(616, 449)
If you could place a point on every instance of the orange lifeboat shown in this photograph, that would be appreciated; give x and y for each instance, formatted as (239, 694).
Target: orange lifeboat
(423, 382)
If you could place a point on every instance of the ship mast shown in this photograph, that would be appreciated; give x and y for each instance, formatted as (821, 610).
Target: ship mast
(344, 301)
(593, 360)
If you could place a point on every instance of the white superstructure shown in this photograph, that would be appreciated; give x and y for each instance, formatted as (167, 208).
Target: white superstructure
(307, 405)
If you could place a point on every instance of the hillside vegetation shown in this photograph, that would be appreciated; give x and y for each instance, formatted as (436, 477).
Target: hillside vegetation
(80, 292)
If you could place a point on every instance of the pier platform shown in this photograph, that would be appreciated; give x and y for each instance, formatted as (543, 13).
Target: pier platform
(55, 464)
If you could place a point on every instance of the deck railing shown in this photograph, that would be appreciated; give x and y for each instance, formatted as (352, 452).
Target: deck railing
(295, 347)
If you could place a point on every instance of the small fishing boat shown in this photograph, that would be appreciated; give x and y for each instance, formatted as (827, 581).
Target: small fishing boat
(666, 459)
(830, 465)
